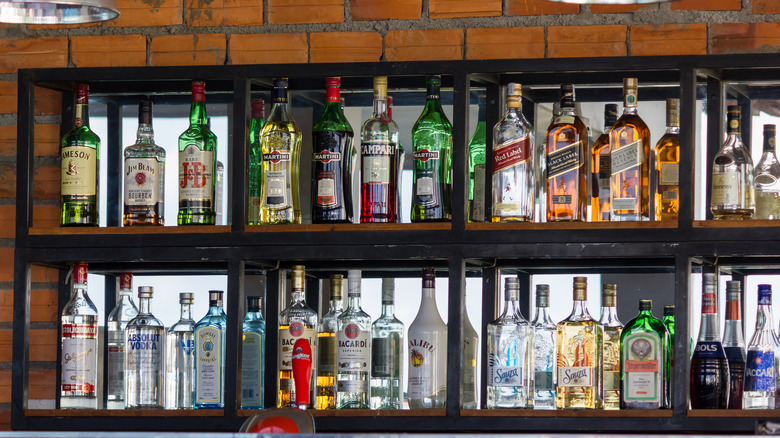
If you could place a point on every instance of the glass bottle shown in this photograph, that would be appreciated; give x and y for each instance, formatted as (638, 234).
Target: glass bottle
(600, 168)
(387, 352)
(732, 175)
(80, 168)
(612, 328)
(709, 387)
(144, 366)
(197, 165)
(667, 166)
(210, 363)
(668, 322)
(354, 350)
(477, 165)
(545, 365)
(510, 347)
(400, 159)
(432, 158)
(469, 394)
(280, 141)
(540, 171)
(644, 361)
(180, 358)
(255, 163)
(252, 355)
(567, 150)
(513, 173)
(734, 343)
(767, 179)
(120, 315)
(629, 142)
(79, 327)
(579, 339)
(761, 368)
(379, 157)
(144, 176)
(427, 386)
(331, 179)
(327, 346)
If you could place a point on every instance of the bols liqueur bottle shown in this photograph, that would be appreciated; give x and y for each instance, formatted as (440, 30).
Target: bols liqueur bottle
(327, 346)
(477, 166)
(353, 356)
(252, 355)
(124, 311)
(709, 387)
(428, 351)
(387, 352)
(734, 343)
(767, 179)
(732, 175)
(255, 163)
(210, 359)
(144, 351)
(644, 359)
(762, 356)
(612, 328)
(144, 176)
(600, 168)
(79, 346)
(544, 351)
(667, 166)
(180, 358)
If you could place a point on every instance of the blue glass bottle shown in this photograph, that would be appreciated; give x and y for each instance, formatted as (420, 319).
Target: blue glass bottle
(252, 355)
(210, 349)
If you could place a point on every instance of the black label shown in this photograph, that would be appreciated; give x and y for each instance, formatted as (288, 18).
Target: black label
(563, 160)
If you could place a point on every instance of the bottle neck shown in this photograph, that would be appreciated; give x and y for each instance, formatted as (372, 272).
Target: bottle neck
(609, 314)
(580, 309)
(145, 306)
(428, 299)
(81, 116)
(335, 306)
(511, 308)
(764, 317)
(186, 311)
(542, 315)
(298, 296)
(388, 309)
(198, 114)
(380, 108)
(145, 133)
(673, 130)
(215, 308)
(280, 110)
(709, 329)
(769, 143)
(353, 302)
(733, 125)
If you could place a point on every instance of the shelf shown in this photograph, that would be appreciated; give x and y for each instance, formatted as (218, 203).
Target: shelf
(123, 413)
(190, 229)
(348, 413)
(318, 228)
(553, 226)
(747, 223)
(734, 413)
(575, 413)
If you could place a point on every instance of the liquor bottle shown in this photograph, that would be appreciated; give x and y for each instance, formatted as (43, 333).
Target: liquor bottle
(79, 339)
(629, 143)
(767, 179)
(545, 365)
(354, 350)
(432, 157)
(610, 351)
(400, 159)
(509, 349)
(144, 188)
(180, 358)
(600, 168)
(327, 347)
(219, 183)
(255, 163)
(379, 157)
(513, 173)
(668, 322)
(734, 343)
(252, 355)
(210, 348)
(197, 165)
(540, 171)
(667, 166)
(120, 315)
(387, 352)
(280, 141)
(477, 149)
(763, 356)
(709, 386)
(579, 339)
(732, 175)
(567, 150)
(80, 175)
(144, 366)
(331, 178)
(644, 361)
(428, 351)
(295, 322)
(468, 370)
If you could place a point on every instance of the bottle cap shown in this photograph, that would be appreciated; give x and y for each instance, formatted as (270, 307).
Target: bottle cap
(710, 279)
(429, 278)
(82, 94)
(254, 304)
(280, 90)
(333, 82)
(215, 298)
(434, 82)
(567, 95)
(668, 310)
(198, 91)
(608, 295)
(186, 297)
(258, 108)
(336, 287)
(126, 281)
(770, 128)
(629, 92)
(388, 291)
(764, 294)
(580, 288)
(353, 286)
(80, 273)
(511, 289)
(513, 95)
(297, 274)
(542, 295)
(380, 87)
(733, 290)
(630, 83)
(645, 305)
(672, 112)
(145, 291)
(145, 111)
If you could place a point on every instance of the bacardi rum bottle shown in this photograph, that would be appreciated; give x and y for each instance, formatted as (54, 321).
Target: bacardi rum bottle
(180, 358)
(327, 346)
(210, 361)
(144, 175)
(252, 355)
(79, 346)
(709, 387)
(387, 352)
(354, 350)
(612, 328)
(120, 315)
(144, 366)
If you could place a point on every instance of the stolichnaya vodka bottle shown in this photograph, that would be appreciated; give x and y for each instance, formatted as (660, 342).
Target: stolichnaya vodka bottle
(180, 357)
(387, 350)
(252, 355)
(120, 315)
(544, 351)
(428, 351)
(144, 366)
(210, 349)
(354, 350)
(79, 346)
(761, 367)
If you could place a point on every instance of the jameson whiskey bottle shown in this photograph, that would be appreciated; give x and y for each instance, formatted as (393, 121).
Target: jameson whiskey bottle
(144, 191)
(732, 175)
(432, 156)
(644, 360)
(709, 387)
(734, 343)
(601, 168)
(612, 328)
(331, 178)
(327, 346)
(79, 326)
(767, 179)
(197, 165)
(477, 166)
(80, 176)
(255, 163)
(667, 166)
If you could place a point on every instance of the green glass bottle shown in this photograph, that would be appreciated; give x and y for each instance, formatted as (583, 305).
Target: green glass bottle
(80, 153)
(644, 361)
(477, 166)
(255, 162)
(197, 165)
(432, 156)
(668, 322)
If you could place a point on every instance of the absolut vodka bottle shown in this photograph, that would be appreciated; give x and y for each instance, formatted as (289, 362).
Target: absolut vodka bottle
(761, 368)
(120, 315)
(144, 367)
(210, 358)
(428, 351)
(180, 357)
(709, 387)
(387, 350)
(545, 366)
(354, 350)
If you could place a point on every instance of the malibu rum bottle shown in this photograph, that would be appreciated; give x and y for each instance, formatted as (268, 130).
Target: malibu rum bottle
(428, 351)
(80, 176)
(667, 166)
(144, 191)
(79, 326)
(255, 162)
(600, 168)
(327, 347)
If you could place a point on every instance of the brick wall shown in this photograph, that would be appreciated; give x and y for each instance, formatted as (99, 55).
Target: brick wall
(215, 32)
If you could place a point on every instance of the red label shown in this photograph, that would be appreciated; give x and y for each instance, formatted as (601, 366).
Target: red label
(80, 274)
(296, 329)
(88, 331)
(511, 154)
(646, 366)
(352, 331)
(708, 303)
(301, 367)
(194, 175)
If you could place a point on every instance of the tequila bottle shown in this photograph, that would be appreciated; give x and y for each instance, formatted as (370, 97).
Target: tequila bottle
(545, 365)
(668, 322)
(252, 355)
(667, 166)
(255, 163)
(387, 352)
(180, 358)
(709, 386)
(327, 346)
(468, 369)
(644, 361)
(767, 179)
(732, 175)
(610, 352)
(600, 168)
(579, 339)
(761, 368)
(477, 166)
(79, 326)
(427, 386)
(210, 362)
(734, 343)
(144, 366)
(120, 315)
(144, 176)
(354, 350)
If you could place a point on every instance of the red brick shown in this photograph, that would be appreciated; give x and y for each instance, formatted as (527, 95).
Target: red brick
(541, 7)
(224, 12)
(7, 262)
(505, 43)
(424, 45)
(345, 47)
(464, 8)
(5, 419)
(148, 13)
(385, 9)
(7, 223)
(744, 37)
(42, 274)
(7, 180)
(47, 101)
(43, 345)
(574, 41)
(617, 9)
(669, 39)
(47, 140)
(108, 50)
(707, 5)
(47, 182)
(202, 49)
(8, 103)
(42, 385)
(766, 6)
(45, 216)
(305, 11)
(269, 48)
(43, 305)
(5, 345)
(5, 386)
(8, 141)
(43, 52)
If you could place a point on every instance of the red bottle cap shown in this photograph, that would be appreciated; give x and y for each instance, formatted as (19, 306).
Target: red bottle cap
(82, 94)
(198, 91)
(258, 108)
(332, 90)
(301, 365)
(80, 273)
(126, 280)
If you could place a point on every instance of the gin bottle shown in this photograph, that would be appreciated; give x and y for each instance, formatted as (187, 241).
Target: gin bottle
(387, 352)
(545, 365)
(180, 358)
(732, 194)
(600, 168)
(644, 359)
(468, 370)
(255, 163)
(428, 351)
(761, 368)
(144, 366)
(120, 315)
(767, 179)
(79, 340)
(610, 352)
(709, 386)
(734, 343)
(477, 166)
(354, 350)
(668, 322)
(327, 346)
(252, 355)
(144, 175)
(210, 361)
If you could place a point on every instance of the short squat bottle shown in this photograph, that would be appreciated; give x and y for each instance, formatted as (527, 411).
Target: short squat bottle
(644, 359)
(144, 367)
(761, 368)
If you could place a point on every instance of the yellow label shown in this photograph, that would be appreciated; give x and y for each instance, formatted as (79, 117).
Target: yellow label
(79, 170)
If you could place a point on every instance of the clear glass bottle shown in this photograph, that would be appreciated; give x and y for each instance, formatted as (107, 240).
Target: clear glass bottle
(644, 361)
(399, 159)
(610, 352)
(427, 386)
(545, 365)
(255, 163)
(79, 328)
(667, 166)
(252, 355)
(513, 172)
(732, 194)
(210, 363)
(761, 368)
(469, 394)
(180, 358)
(354, 350)
(540, 172)
(477, 165)
(120, 315)
(709, 386)
(600, 165)
(327, 346)
(767, 179)
(668, 322)
(734, 343)
(144, 352)
(144, 175)
(387, 352)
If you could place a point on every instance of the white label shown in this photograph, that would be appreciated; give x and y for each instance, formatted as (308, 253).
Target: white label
(208, 367)
(142, 184)
(78, 171)
(670, 174)
(144, 352)
(627, 157)
(287, 337)
(424, 186)
(623, 204)
(116, 372)
(427, 364)
(352, 386)
(505, 376)
(376, 169)
(354, 351)
(575, 376)
(79, 360)
(725, 188)
(196, 174)
(478, 203)
(251, 368)
(326, 188)
(275, 188)
(642, 367)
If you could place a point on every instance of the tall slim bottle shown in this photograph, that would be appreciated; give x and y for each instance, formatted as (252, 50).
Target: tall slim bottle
(644, 360)
(477, 150)
(252, 355)
(709, 386)
(667, 166)
(612, 328)
(144, 352)
(210, 363)
(180, 357)
(400, 159)
(600, 166)
(327, 346)
(540, 171)
(428, 351)
(255, 163)
(732, 195)
(767, 179)
(669, 324)
(734, 343)
(79, 327)
(124, 311)
(763, 359)
(387, 352)
(469, 393)
(144, 175)
(545, 365)
(354, 350)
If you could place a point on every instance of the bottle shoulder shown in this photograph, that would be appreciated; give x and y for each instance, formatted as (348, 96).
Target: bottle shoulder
(182, 325)
(145, 322)
(144, 150)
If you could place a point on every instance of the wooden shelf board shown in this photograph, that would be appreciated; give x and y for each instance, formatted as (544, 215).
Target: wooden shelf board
(570, 225)
(302, 228)
(124, 412)
(63, 231)
(363, 413)
(736, 413)
(752, 223)
(581, 413)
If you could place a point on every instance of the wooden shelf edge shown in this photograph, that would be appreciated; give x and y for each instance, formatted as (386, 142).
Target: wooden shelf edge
(735, 413)
(748, 223)
(129, 413)
(649, 225)
(302, 228)
(569, 413)
(361, 412)
(195, 229)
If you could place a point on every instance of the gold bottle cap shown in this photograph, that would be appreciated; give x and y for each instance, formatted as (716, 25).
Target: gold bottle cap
(629, 92)
(298, 274)
(668, 310)
(336, 287)
(580, 288)
(672, 112)
(608, 295)
(380, 87)
(514, 94)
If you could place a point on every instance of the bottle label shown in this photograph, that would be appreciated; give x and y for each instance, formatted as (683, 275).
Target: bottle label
(760, 371)
(79, 360)
(116, 372)
(670, 174)
(425, 195)
(478, 201)
(624, 204)
(706, 349)
(427, 373)
(353, 386)
(505, 375)
(275, 182)
(196, 177)
(252, 349)
(605, 170)
(611, 381)
(79, 173)
(575, 376)
(327, 350)
(642, 359)
(208, 367)
(626, 157)
(287, 337)
(543, 381)
(569, 120)
(354, 351)
(511, 153)
(709, 302)
(142, 186)
(326, 192)
(563, 160)
(377, 157)
(144, 359)
(725, 188)
(385, 357)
